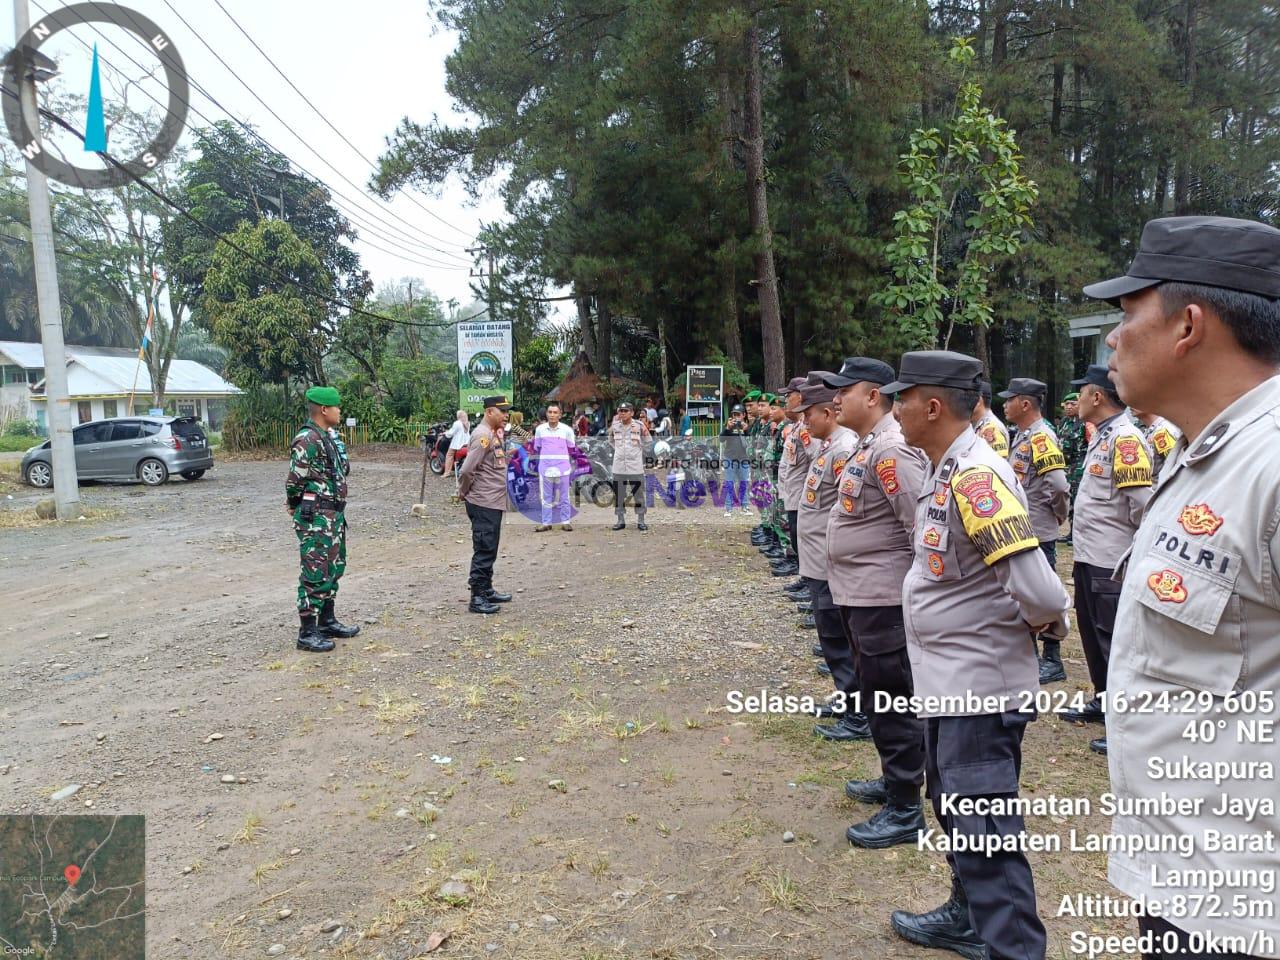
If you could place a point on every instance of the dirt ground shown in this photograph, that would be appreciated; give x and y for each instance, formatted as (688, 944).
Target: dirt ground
(598, 801)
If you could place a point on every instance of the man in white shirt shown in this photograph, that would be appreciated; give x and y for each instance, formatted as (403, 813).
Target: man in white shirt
(551, 444)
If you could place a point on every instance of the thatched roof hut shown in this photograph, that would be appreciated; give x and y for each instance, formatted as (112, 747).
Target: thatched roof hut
(582, 383)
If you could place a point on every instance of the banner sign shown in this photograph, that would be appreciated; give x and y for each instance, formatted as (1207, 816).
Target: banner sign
(704, 385)
(484, 363)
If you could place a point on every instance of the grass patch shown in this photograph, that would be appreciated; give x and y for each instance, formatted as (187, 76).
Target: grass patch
(396, 708)
(781, 890)
(249, 830)
(27, 519)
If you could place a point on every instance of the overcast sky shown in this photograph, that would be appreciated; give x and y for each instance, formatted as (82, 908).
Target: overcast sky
(365, 65)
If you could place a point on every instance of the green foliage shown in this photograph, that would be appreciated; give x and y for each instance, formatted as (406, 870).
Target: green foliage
(540, 362)
(969, 209)
(271, 329)
(18, 442)
(20, 428)
(383, 425)
(260, 415)
(420, 389)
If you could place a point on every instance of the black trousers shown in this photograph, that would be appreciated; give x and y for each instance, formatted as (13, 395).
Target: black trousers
(836, 650)
(1097, 599)
(879, 642)
(486, 528)
(1160, 928)
(793, 532)
(1050, 550)
(628, 487)
(981, 756)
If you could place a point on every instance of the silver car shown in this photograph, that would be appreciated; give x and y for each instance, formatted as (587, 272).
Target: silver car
(129, 448)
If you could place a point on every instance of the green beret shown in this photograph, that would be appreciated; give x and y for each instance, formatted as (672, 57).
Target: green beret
(769, 398)
(324, 396)
(753, 395)
(1070, 396)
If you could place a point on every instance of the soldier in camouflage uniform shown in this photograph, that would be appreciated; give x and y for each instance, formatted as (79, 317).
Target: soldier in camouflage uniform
(775, 514)
(1071, 436)
(316, 496)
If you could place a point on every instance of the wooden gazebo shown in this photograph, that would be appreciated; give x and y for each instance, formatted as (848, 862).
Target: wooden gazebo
(582, 384)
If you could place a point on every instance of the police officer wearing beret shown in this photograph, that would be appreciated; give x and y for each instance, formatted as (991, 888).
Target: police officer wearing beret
(1114, 490)
(1037, 460)
(977, 581)
(1199, 617)
(316, 498)
(482, 484)
(869, 531)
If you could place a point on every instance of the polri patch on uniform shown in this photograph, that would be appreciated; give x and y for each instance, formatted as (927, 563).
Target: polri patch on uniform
(1199, 520)
(887, 471)
(1167, 586)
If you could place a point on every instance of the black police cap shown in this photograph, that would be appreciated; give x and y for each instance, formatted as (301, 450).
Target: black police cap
(936, 368)
(1225, 252)
(860, 370)
(1025, 387)
(1098, 376)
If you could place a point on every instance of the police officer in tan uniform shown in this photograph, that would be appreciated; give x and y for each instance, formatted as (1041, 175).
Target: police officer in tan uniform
(791, 468)
(987, 425)
(628, 437)
(482, 484)
(1199, 622)
(1114, 490)
(1036, 457)
(868, 555)
(1160, 434)
(832, 446)
(977, 581)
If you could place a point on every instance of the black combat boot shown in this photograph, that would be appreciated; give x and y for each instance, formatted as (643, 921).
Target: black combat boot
(804, 606)
(1099, 745)
(311, 639)
(331, 627)
(822, 668)
(867, 791)
(493, 596)
(787, 568)
(1051, 668)
(481, 603)
(892, 824)
(850, 727)
(797, 587)
(620, 525)
(817, 650)
(945, 928)
(827, 711)
(1091, 712)
(810, 622)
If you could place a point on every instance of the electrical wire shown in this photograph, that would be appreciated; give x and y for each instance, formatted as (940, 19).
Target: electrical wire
(359, 215)
(216, 234)
(317, 111)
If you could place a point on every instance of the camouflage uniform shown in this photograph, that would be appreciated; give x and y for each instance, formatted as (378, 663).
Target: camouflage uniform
(1071, 437)
(774, 515)
(317, 491)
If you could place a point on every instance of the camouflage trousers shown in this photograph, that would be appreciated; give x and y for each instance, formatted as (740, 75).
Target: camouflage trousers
(774, 515)
(322, 545)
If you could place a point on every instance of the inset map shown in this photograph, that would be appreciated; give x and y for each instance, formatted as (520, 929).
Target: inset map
(73, 887)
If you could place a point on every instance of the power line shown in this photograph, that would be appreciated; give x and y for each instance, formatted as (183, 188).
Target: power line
(317, 111)
(353, 207)
(187, 214)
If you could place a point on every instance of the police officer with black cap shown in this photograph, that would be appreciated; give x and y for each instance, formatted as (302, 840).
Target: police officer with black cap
(1036, 457)
(977, 580)
(1199, 611)
(868, 555)
(1114, 490)
(482, 484)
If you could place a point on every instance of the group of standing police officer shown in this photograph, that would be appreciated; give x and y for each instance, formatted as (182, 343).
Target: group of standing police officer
(925, 538)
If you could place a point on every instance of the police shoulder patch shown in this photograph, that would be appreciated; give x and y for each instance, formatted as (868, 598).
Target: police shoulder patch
(887, 472)
(484, 442)
(1046, 455)
(1130, 463)
(993, 517)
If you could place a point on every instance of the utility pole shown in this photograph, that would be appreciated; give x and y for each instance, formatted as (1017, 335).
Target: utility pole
(492, 274)
(66, 486)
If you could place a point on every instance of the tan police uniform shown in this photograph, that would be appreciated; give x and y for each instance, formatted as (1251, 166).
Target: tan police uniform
(1200, 618)
(1114, 490)
(628, 441)
(1037, 460)
(817, 496)
(991, 429)
(482, 484)
(868, 555)
(976, 581)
